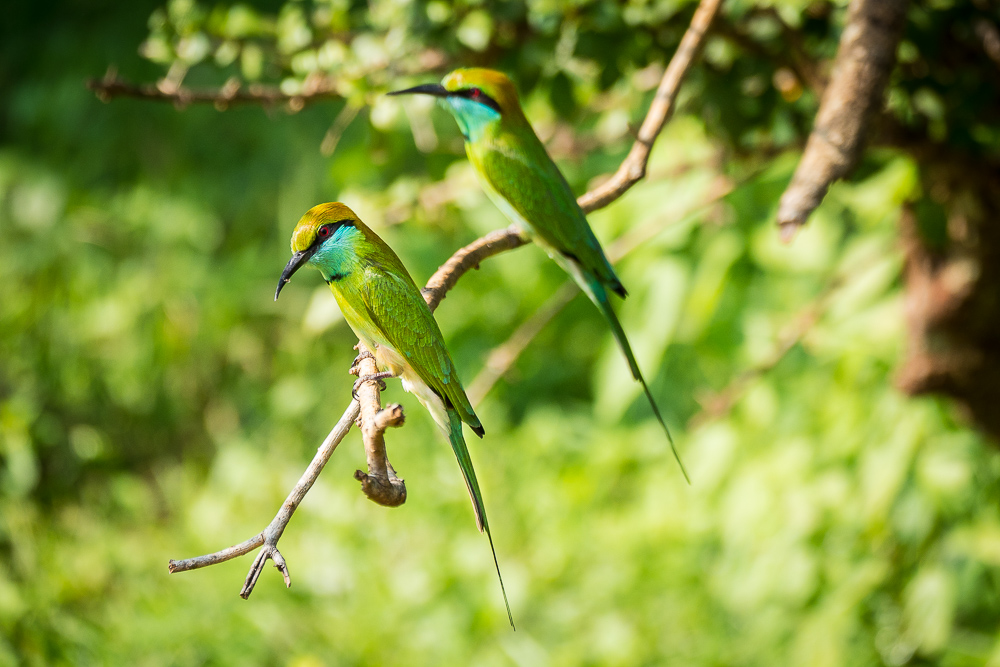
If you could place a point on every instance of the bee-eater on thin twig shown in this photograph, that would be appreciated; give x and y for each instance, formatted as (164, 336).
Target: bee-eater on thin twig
(525, 184)
(383, 306)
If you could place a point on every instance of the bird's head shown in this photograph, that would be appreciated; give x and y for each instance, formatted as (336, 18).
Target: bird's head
(320, 234)
(476, 97)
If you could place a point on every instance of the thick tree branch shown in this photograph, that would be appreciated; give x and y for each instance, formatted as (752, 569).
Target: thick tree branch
(633, 169)
(864, 61)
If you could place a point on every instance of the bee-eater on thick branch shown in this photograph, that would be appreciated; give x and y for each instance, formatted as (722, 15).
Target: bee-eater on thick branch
(525, 184)
(384, 308)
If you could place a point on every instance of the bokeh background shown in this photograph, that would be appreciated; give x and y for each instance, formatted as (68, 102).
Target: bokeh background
(156, 403)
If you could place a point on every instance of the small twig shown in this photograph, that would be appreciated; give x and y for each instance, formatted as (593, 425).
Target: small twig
(633, 169)
(269, 536)
(232, 92)
(716, 404)
(316, 86)
(719, 403)
(336, 131)
(864, 61)
(502, 357)
(234, 551)
(269, 551)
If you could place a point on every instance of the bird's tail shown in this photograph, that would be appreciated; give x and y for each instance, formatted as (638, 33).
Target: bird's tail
(465, 463)
(599, 296)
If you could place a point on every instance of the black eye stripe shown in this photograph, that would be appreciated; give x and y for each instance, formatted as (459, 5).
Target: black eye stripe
(477, 95)
(327, 230)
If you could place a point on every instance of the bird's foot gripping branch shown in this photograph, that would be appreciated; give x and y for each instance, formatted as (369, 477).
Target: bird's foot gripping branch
(380, 484)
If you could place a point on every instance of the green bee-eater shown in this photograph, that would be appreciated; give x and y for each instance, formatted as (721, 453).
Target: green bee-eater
(523, 181)
(384, 308)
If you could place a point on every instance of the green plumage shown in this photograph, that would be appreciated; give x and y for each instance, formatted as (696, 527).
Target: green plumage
(516, 169)
(384, 307)
(523, 181)
(388, 310)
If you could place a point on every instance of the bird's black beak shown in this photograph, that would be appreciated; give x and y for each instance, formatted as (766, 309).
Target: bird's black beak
(294, 264)
(435, 89)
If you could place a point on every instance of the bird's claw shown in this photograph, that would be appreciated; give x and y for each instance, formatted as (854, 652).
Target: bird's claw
(365, 378)
(355, 369)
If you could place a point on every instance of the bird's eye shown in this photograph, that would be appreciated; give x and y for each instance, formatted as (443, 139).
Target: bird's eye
(323, 232)
(476, 93)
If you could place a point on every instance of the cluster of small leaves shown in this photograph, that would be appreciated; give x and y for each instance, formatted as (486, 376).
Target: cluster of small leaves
(363, 45)
(758, 90)
(594, 63)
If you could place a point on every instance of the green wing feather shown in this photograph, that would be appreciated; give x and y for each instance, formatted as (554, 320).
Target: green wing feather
(397, 309)
(400, 313)
(521, 172)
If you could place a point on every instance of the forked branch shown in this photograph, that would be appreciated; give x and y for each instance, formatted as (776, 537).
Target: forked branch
(269, 536)
(381, 483)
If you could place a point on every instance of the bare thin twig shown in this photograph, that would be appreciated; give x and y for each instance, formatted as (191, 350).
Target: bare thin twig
(864, 61)
(502, 357)
(375, 421)
(469, 257)
(336, 131)
(270, 535)
(716, 404)
(633, 169)
(233, 92)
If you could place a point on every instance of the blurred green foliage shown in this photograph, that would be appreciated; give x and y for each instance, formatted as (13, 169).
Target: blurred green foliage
(155, 402)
